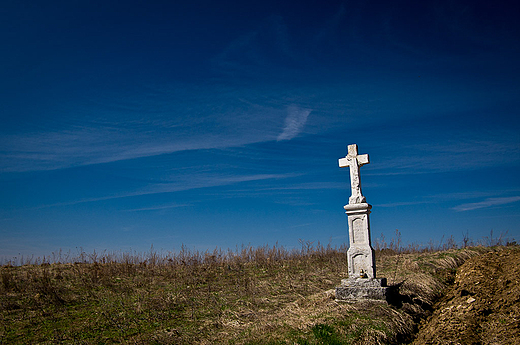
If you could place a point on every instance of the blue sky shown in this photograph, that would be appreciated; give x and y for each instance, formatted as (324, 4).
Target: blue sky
(217, 124)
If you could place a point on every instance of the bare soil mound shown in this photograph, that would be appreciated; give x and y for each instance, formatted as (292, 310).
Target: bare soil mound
(482, 306)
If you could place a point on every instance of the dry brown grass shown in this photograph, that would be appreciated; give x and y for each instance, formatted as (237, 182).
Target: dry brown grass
(265, 295)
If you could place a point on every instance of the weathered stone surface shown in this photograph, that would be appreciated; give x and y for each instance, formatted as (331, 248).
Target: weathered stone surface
(354, 289)
(354, 161)
(360, 255)
(364, 282)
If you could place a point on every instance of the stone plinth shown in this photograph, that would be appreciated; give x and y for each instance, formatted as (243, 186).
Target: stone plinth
(355, 289)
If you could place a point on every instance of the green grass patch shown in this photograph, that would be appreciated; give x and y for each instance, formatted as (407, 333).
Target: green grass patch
(265, 295)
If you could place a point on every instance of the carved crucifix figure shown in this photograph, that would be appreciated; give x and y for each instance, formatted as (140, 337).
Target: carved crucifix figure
(354, 161)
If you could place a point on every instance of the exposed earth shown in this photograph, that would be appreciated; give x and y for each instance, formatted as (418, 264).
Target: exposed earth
(482, 306)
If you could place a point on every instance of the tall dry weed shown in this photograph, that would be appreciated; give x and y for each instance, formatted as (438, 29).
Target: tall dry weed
(247, 295)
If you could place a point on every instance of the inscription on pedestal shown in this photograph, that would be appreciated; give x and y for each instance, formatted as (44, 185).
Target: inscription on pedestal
(357, 229)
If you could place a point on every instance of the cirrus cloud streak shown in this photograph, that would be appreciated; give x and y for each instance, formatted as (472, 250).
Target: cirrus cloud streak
(486, 203)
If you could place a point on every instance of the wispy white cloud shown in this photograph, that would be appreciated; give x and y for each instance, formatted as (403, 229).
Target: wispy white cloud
(181, 184)
(157, 208)
(444, 198)
(404, 203)
(447, 197)
(194, 118)
(284, 190)
(452, 155)
(486, 203)
(294, 122)
(308, 186)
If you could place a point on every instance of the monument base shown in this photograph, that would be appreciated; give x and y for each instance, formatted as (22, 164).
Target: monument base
(357, 289)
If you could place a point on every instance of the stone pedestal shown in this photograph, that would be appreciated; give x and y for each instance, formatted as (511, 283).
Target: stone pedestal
(355, 289)
(360, 255)
(362, 283)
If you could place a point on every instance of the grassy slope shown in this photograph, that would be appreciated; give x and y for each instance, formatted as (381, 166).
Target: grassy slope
(253, 296)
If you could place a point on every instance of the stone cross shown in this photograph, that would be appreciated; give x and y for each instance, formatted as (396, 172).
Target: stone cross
(362, 282)
(360, 255)
(354, 161)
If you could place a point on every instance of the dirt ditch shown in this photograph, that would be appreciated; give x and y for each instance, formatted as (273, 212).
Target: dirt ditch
(481, 307)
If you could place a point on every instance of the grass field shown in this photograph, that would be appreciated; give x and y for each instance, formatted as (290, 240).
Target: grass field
(265, 295)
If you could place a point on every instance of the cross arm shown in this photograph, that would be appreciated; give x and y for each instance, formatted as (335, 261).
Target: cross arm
(363, 159)
(343, 162)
